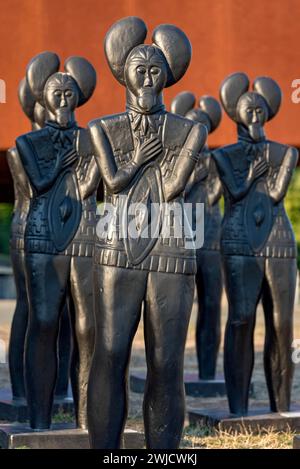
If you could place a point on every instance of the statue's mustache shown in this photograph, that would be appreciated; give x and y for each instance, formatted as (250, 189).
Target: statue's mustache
(256, 131)
(63, 116)
(147, 99)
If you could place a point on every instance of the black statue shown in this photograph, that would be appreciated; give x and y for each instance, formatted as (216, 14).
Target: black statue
(204, 186)
(257, 242)
(145, 156)
(59, 235)
(22, 191)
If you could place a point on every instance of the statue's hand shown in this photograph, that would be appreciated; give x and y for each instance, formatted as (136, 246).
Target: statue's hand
(68, 158)
(202, 173)
(147, 150)
(257, 169)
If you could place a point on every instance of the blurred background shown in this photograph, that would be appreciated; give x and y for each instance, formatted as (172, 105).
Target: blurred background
(258, 37)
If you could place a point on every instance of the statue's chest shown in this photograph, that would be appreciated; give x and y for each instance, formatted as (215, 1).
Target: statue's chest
(163, 163)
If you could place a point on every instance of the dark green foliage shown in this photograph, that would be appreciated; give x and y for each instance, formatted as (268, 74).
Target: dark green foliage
(5, 219)
(292, 205)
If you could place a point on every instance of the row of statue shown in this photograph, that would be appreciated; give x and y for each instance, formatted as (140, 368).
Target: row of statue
(146, 154)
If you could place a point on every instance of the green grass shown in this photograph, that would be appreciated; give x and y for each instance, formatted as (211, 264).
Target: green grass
(63, 417)
(207, 438)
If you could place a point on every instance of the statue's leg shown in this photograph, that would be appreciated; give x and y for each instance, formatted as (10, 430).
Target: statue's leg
(168, 307)
(278, 302)
(64, 354)
(243, 281)
(18, 328)
(81, 299)
(47, 278)
(119, 294)
(208, 329)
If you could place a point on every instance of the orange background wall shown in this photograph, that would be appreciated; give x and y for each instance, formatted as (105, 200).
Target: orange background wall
(260, 37)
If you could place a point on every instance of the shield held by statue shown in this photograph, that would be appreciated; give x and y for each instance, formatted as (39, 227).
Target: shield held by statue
(258, 216)
(64, 211)
(142, 216)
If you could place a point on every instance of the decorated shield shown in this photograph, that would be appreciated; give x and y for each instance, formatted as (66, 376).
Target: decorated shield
(142, 217)
(64, 210)
(258, 216)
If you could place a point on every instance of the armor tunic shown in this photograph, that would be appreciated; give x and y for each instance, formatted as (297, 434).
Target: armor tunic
(62, 214)
(257, 225)
(164, 253)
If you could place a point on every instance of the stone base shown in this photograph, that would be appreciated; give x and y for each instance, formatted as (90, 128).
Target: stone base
(204, 387)
(61, 436)
(257, 420)
(297, 442)
(16, 411)
(194, 386)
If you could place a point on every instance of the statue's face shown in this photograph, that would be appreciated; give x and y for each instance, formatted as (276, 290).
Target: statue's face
(145, 75)
(61, 97)
(252, 113)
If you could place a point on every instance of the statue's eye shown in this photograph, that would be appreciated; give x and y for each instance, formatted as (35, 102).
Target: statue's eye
(155, 70)
(69, 93)
(57, 93)
(249, 110)
(259, 110)
(141, 70)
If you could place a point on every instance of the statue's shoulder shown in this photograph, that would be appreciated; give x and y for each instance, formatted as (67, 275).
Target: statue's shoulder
(277, 146)
(277, 152)
(12, 152)
(39, 143)
(117, 129)
(33, 136)
(176, 120)
(108, 122)
(228, 151)
(35, 133)
(177, 128)
(281, 147)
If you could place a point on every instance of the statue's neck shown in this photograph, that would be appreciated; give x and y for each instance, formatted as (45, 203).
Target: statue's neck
(51, 117)
(132, 104)
(244, 135)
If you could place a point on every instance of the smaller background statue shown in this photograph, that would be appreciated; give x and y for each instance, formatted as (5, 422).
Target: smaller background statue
(204, 186)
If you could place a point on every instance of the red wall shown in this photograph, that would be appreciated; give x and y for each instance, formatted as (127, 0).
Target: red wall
(257, 36)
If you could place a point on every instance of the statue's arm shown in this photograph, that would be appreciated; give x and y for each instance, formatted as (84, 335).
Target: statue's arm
(191, 182)
(225, 170)
(200, 172)
(215, 186)
(280, 185)
(88, 171)
(91, 180)
(115, 179)
(186, 162)
(28, 158)
(17, 171)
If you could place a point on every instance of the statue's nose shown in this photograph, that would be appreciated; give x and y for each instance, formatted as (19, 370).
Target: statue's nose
(148, 80)
(63, 101)
(254, 117)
